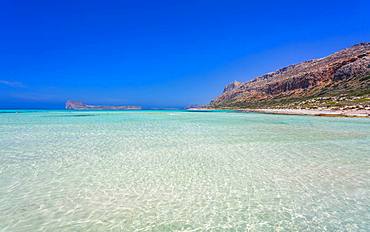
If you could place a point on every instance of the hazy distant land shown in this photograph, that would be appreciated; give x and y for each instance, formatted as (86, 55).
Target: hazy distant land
(76, 105)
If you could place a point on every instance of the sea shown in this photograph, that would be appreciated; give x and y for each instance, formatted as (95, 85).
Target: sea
(158, 170)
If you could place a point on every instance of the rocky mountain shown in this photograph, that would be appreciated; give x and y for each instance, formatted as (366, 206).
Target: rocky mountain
(342, 75)
(76, 105)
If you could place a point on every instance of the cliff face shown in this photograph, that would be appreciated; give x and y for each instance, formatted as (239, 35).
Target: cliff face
(344, 73)
(76, 105)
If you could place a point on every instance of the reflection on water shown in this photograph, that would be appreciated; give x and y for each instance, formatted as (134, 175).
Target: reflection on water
(71, 115)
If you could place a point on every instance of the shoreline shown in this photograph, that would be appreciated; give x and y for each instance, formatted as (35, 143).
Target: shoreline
(313, 112)
(307, 112)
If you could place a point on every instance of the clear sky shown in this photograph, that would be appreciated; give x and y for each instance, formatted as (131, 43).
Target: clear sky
(160, 53)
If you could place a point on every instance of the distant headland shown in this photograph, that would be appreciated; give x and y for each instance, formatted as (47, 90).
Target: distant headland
(77, 105)
(337, 83)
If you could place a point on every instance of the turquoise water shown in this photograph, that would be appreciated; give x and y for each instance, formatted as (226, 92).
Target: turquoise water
(182, 171)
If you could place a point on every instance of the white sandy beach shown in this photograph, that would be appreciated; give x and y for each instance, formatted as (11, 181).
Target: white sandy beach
(314, 112)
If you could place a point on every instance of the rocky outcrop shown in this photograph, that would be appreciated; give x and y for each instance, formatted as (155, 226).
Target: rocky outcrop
(76, 105)
(232, 86)
(346, 72)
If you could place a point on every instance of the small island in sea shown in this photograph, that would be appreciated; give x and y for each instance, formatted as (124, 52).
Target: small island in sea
(336, 85)
(77, 105)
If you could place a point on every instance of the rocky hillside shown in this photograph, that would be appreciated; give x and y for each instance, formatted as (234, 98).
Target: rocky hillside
(76, 105)
(337, 80)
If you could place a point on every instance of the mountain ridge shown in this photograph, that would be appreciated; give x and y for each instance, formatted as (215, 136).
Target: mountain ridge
(345, 73)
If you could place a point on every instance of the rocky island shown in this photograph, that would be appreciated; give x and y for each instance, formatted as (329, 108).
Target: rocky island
(76, 105)
(338, 84)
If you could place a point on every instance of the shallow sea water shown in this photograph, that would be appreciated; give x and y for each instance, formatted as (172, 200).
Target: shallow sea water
(182, 171)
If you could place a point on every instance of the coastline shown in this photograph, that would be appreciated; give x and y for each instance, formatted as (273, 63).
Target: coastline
(313, 112)
(307, 112)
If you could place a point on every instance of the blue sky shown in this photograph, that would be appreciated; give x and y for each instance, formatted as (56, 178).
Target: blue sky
(160, 53)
